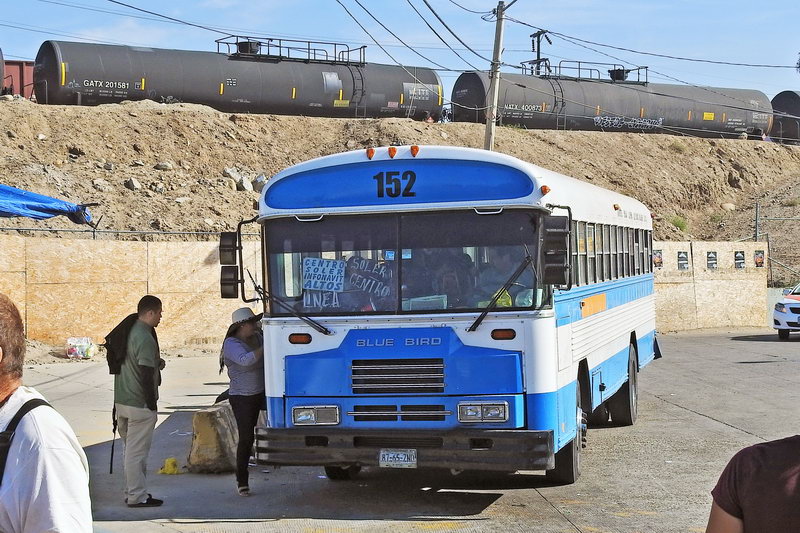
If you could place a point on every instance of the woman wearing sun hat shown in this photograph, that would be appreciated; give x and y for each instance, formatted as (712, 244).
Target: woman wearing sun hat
(243, 354)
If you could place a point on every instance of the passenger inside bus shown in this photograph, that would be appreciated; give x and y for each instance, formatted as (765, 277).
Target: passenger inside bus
(503, 261)
(439, 271)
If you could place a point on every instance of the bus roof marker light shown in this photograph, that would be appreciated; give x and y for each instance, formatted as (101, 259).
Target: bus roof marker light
(616, 207)
(370, 153)
(414, 150)
(392, 151)
(545, 189)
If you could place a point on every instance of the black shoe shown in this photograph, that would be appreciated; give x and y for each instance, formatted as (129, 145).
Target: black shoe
(149, 502)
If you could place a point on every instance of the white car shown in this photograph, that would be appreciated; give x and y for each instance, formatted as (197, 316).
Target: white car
(786, 316)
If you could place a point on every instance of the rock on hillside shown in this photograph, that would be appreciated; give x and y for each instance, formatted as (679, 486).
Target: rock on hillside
(194, 166)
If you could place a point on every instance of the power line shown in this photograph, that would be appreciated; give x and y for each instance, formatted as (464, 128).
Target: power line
(435, 14)
(461, 41)
(439, 36)
(247, 31)
(470, 10)
(50, 31)
(429, 87)
(166, 17)
(398, 38)
(708, 89)
(678, 58)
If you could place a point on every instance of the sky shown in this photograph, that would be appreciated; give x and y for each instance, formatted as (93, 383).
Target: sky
(736, 31)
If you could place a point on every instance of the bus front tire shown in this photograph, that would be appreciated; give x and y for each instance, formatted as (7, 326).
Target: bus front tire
(568, 458)
(340, 473)
(624, 405)
(783, 334)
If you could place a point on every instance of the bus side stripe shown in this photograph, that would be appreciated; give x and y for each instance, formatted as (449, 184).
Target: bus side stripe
(618, 292)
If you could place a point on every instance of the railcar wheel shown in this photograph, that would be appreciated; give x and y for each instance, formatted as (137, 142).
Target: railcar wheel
(783, 334)
(568, 458)
(340, 473)
(624, 405)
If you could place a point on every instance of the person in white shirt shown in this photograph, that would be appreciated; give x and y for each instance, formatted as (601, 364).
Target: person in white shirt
(44, 485)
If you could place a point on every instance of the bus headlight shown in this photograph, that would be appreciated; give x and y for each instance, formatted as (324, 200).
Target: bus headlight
(482, 412)
(317, 415)
(494, 412)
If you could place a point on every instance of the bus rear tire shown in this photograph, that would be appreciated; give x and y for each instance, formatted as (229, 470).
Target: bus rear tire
(342, 473)
(568, 458)
(624, 405)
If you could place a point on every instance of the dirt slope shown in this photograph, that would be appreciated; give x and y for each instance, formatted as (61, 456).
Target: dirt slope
(87, 154)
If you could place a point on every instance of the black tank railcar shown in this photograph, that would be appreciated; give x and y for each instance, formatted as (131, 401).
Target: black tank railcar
(549, 102)
(92, 74)
(786, 127)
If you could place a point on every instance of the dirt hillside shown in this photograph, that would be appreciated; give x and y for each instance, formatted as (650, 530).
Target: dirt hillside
(163, 167)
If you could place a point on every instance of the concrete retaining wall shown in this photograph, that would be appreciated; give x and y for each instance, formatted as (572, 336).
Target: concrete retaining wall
(83, 288)
(76, 288)
(699, 296)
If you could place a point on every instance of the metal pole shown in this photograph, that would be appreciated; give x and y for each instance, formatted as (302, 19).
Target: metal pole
(755, 237)
(494, 80)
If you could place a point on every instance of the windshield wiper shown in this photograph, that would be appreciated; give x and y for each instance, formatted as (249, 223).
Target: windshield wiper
(308, 320)
(517, 273)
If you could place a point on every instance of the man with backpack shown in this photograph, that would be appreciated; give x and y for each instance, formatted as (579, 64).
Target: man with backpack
(133, 351)
(44, 476)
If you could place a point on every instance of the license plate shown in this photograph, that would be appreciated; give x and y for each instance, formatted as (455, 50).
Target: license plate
(391, 458)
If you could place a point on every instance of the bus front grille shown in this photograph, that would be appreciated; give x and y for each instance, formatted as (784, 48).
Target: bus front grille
(397, 376)
(407, 413)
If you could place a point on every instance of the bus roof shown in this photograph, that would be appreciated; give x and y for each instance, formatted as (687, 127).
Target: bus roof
(437, 177)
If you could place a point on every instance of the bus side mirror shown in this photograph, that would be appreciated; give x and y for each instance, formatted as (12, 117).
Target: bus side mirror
(555, 251)
(228, 246)
(228, 253)
(229, 282)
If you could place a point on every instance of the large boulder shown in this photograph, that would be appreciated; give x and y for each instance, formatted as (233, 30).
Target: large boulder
(214, 440)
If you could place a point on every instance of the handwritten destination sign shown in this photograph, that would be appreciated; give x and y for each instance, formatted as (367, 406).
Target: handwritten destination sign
(323, 274)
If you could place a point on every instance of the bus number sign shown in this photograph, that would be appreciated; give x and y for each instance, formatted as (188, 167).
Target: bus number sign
(394, 183)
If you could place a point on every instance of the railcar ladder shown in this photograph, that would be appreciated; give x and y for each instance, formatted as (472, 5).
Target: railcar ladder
(358, 92)
(560, 106)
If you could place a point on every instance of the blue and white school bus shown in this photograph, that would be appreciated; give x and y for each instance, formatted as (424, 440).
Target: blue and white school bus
(439, 307)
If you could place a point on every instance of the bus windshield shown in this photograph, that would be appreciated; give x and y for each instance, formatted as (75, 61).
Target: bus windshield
(452, 261)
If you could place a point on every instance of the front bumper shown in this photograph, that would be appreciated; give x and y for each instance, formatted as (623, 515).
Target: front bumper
(787, 320)
(463, 449)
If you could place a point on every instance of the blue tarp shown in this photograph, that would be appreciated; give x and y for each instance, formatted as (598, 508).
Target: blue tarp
(18, 203)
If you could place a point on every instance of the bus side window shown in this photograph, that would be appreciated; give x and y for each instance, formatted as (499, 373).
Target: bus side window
(590, 254)
(626, 264)
(581, 253)
(613, 251)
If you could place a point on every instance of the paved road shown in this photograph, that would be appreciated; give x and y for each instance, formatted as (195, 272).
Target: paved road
(711, 394)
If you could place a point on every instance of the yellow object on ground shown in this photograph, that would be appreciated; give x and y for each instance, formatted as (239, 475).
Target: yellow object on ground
(170, 466)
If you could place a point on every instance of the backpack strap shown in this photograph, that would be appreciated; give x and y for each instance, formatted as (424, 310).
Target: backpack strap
(8, 434)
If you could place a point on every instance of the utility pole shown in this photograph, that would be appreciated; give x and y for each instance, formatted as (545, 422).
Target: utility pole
(494, 77)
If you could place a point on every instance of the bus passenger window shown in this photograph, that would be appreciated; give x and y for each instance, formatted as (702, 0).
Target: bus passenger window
(581, 253)
(626, 252)
(613, 243)
(590, 254)
(607, 260)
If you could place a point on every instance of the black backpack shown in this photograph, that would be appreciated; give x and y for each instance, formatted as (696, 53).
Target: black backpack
(117, 344)
(7, 436)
